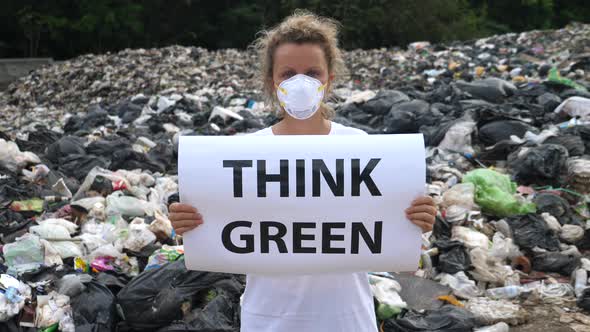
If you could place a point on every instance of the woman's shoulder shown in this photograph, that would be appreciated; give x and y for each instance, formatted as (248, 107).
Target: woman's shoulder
(339, 129)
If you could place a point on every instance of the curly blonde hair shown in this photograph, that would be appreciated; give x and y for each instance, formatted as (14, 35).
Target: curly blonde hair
(301, 27)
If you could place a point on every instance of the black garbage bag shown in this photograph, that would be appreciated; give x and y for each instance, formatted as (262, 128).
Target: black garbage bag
(434, 135)
(95, 117)
(94, 310)
(555, 262)
(15, 188)
(128, 111)
(574, 144)
(549, 101)
(558, 207)
(494, 132)
(163, 153)
(448, 318)
(79, 165)
(584, 300)
(114, 281)
(531, 231)
(65, 146)
(38, 140)
(453, 256)
(442, 229)
(540, 165)
(381, 104)
(408, 117)
(129, 159)
(13, 225)
(584, 243)
(355, 113)
(156, 297)
(492, 89)
(221, 314)
(106, 147)
(583, 132)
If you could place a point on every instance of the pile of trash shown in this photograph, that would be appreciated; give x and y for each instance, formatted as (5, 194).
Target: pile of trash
(88, 153)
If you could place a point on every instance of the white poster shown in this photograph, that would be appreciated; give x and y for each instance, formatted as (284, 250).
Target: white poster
(302, 204)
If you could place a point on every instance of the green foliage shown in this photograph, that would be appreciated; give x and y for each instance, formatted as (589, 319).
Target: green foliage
(66, 28)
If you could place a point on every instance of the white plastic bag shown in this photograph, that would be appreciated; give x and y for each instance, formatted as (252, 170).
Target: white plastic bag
(470, 238)
(13, 159)
(139, 235)
(503, 248)
(458, 137)
(67, 249)
(571, 233)
(575, 107)
(117, 204)
(461, 194)
(462, 286)
(50, 232)
(70, 226)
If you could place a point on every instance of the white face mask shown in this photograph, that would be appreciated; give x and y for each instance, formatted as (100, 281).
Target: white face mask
(300, 96)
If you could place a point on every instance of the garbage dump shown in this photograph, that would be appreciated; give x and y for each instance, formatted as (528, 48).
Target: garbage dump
(88, 151)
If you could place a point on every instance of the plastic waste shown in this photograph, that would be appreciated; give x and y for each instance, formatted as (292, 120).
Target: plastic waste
(386, 291)
(54, 308)
(13, 159)
(33, 204)
(12, 300)
(530, 231)
(471, 238)
(581, 281)
(458, 137)
(447, 318)
(538, 165)
(494, 192)
(462, 286)
(94, 309)
(488, 312)
(453, 256)
(462, 194)
(504, 293)
(551, 222)
(555, 77)
(490, 89)
(571, 233)
(164, 255)
(139, 235)
(67, 249)
(503, 248)
(489, 269)
(500, 327)
(117, 204)
(72, 285)
(584, 299)
(140, 301)
(555, 262)
(50, 231)
(25, 253)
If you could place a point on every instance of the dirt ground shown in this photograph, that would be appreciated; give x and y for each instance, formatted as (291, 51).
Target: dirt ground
(557, 317)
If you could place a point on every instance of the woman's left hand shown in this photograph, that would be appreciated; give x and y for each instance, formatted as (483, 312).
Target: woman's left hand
(422, 213)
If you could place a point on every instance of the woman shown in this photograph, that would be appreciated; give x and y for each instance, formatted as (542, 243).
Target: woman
(300, 60)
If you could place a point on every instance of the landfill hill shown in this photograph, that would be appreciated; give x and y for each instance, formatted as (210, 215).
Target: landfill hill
(88, 164)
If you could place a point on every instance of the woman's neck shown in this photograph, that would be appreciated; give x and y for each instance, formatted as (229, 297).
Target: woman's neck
(316, 125)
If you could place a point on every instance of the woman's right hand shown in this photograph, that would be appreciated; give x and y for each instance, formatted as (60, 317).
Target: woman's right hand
(184, 217)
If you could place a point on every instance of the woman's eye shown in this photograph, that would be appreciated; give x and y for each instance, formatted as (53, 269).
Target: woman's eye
(287, 74)
(312, 73)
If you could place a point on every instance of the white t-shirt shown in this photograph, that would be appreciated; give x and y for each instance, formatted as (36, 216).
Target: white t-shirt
(339, 302)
